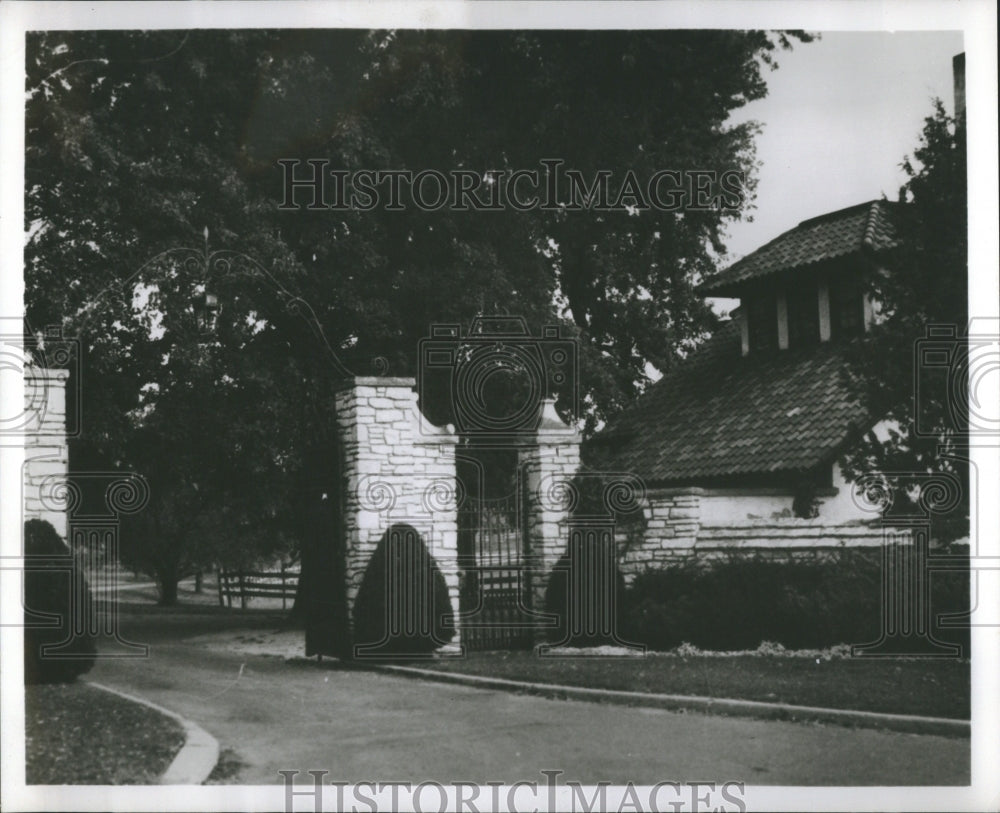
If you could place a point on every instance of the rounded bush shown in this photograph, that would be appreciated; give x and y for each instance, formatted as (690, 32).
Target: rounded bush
(50, 573)
(579, 593)
(402, 606)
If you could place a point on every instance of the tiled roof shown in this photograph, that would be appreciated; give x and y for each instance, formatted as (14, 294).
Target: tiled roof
(866, 227)
(720, 414)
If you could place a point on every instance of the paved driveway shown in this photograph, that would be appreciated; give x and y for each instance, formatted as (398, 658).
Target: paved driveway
(274, 715)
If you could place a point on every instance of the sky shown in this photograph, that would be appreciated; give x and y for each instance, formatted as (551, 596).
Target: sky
(840, 115)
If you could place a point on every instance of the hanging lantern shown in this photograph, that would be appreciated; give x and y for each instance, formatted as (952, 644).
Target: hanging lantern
(207, 313)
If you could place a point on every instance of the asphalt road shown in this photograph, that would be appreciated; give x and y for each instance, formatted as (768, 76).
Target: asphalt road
(271, 715)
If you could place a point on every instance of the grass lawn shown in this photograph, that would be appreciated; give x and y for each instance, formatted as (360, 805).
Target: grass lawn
(936, 688)
(79, 735)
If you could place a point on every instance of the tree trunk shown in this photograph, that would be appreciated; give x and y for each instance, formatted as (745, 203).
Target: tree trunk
(168, 579)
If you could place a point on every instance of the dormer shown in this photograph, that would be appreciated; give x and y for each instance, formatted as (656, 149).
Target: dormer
(807, 286)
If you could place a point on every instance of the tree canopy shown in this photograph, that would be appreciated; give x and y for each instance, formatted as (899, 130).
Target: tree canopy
(137, 142)
(923, 398)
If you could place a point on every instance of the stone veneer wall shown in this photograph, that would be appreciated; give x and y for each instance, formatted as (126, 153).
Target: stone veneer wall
(46, 453)
(398, 468)
(548, 465)
(674, 533)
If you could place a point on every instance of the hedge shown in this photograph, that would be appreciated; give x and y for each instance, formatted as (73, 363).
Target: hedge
(744, 600)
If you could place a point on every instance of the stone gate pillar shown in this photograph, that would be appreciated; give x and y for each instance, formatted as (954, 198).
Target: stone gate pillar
(91, 531)
(397, 468)
(548, 463)
(46, 453)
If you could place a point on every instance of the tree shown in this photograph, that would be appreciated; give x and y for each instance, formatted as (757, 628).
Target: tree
(927, 286)
(136, 142)
(608, 101)
(125, 167)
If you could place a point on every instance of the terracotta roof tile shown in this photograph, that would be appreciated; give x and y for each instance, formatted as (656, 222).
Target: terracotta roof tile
(719, 414)
(867, 227)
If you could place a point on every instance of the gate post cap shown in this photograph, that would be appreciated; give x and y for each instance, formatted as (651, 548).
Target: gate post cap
(549, 421)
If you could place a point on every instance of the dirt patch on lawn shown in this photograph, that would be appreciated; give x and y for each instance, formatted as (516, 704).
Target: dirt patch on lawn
(278, 643)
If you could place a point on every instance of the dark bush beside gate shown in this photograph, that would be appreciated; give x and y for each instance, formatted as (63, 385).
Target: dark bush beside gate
(402, 607)
(49, 572)
(741, 601)
(560, 602)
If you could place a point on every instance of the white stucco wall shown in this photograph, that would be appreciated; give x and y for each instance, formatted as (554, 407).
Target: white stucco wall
(734, 506)
(842, 507)
(731, 506)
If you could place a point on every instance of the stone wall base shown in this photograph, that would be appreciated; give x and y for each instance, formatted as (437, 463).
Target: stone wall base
(678, 532)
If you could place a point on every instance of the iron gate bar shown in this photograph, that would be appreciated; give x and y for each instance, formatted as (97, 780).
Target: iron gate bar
(494, 614)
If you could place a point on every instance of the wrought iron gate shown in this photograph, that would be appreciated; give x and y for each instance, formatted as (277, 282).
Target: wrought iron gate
(495, 589)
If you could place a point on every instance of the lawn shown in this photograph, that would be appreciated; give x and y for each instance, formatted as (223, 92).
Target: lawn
(935, 688)
(78, 735)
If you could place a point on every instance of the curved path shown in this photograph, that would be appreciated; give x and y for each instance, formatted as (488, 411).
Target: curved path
(269, 715)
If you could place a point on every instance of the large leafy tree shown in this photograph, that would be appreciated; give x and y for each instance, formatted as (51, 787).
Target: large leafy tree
(596, 101)
(921, 397)
(139, 141)
(130, 158)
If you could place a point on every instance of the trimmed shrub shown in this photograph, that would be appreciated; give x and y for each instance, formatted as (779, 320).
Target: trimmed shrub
(50, 570)
(739, 602)
(577, 593)
(402, 607)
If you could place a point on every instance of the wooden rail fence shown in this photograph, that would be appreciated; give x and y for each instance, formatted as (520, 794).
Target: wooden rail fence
(247, 584)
